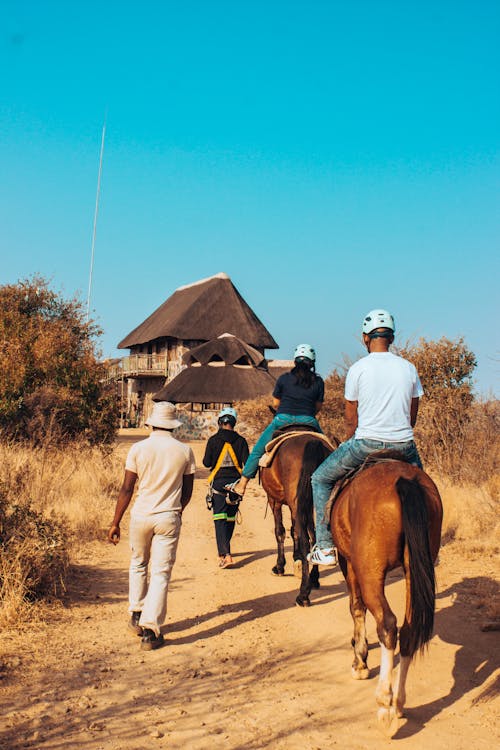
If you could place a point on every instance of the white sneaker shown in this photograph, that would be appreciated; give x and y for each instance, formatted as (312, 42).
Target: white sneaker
(327, 556)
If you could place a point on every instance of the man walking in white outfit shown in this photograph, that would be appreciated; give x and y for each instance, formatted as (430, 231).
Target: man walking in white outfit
(382, 392)
(164, 470)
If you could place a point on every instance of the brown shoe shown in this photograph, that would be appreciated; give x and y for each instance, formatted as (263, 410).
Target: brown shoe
(150, 640)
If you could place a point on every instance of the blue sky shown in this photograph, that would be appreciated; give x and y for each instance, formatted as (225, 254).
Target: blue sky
(331, 157)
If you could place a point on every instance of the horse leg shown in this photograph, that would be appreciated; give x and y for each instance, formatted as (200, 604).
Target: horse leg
(400, 686)
(279, 531)
(405, 654)
(314, 574)
(359, 642)
(385, 619)
(297, 558)
(302, 600)
(314, 577)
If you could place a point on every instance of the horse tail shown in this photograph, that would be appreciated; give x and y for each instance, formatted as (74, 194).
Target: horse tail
(422, 595)
(315, 452)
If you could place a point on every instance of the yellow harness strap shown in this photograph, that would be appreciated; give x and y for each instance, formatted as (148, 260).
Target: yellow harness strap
(226, 448)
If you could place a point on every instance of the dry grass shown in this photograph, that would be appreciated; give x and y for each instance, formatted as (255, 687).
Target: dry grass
(51, 501)
(470, 518)
(74, 483)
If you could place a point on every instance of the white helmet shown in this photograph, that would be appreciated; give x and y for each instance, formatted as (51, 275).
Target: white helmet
(305, 350)
(378, 319)
(228, 411)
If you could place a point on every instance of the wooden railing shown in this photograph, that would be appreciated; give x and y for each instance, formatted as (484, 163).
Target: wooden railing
(136, 365)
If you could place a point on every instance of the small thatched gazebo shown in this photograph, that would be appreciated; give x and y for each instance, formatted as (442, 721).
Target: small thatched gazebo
(219, 372)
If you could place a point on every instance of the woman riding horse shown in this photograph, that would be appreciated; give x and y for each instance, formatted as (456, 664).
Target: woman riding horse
(297, 397)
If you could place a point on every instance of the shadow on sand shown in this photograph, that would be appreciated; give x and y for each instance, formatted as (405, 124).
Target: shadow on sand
(476, 660)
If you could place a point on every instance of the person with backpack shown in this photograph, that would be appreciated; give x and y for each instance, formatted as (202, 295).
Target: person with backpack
(225, 454)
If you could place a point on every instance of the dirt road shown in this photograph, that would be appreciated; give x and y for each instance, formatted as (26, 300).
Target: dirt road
(242, 666)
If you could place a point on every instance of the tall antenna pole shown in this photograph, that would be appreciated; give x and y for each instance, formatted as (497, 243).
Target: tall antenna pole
(96, 211)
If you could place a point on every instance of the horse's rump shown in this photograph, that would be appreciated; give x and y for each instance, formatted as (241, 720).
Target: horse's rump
(370, 505)
(380, 456)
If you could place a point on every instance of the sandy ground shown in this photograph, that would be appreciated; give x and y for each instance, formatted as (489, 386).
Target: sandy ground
(242, 666)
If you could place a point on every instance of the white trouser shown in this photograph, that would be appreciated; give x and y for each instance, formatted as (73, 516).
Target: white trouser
(153, 540)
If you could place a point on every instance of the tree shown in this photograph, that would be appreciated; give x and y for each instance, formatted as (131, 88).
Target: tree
(443, 430)
(51, 380)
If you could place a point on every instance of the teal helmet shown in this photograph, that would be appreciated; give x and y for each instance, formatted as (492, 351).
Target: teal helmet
(228, 415)
(304, 351)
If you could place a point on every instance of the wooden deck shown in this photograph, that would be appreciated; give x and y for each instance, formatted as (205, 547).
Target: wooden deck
(139, 365)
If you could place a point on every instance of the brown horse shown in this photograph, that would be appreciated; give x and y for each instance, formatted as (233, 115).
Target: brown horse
(389, 516)
(287, 481)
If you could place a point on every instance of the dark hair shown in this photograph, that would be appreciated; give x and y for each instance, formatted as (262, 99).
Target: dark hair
(304, 372)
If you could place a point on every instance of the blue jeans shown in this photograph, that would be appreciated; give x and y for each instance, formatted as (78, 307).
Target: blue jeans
(280, 420)
(348, 456)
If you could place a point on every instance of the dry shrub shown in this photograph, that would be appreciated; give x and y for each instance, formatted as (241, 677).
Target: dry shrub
(331, 416)
(470, 518)
(253, 416)
(34, 556)
(461, 445)
(51, 381)
(52, 500)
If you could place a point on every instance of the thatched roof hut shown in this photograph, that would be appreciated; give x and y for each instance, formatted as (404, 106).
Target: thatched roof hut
(222, 370)
(202, 311)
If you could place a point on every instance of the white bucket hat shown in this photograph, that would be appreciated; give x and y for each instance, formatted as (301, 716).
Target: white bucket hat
(163, 415)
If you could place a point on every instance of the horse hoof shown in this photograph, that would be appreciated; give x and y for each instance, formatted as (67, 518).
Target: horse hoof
(277, 571)
(297, 568)
(388, 721)
(360, 674)
(300, 602)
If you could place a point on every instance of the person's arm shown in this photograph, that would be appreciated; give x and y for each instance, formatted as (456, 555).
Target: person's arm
(318, 406)
(124, 498)
(208, 457)
(187, 489)
(277, 393)
(350, 417)
(414, 411)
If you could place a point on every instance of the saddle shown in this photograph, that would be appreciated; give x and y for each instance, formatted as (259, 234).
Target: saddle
(284, 434)
(382, 456)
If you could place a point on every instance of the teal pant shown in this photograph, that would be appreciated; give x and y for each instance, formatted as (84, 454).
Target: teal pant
(280, 420)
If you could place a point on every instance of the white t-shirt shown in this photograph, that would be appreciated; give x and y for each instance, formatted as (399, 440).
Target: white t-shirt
(160, 463)
(383, 385)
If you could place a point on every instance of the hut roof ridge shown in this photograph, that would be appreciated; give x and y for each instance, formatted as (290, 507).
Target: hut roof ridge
(202, 311)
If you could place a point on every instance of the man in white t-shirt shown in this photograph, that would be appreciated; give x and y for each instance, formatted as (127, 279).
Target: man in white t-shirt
(381, 406)
(163, 469)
